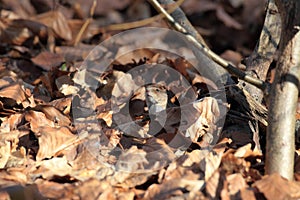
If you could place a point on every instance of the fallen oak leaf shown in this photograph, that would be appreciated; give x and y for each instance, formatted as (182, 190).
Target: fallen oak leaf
(54, 115)
(37, 120)
(57, 21)
(53, 140)
(14, 92)
(13, 34)
(10, 123)
(47, 60)
(5, 152)
(276, 187)
(54, 167)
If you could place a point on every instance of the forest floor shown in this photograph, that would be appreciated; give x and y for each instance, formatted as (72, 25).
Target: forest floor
(92, 108)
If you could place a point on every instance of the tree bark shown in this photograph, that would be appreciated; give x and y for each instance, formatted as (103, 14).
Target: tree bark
(284, 94)
(259, 61)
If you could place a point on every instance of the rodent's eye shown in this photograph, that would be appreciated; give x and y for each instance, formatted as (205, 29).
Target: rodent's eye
(157, 90)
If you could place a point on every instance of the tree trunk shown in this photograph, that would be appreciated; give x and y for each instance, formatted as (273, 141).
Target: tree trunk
(284, 94)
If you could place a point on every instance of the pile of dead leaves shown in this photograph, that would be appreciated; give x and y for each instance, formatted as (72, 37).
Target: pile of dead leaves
(69, 133)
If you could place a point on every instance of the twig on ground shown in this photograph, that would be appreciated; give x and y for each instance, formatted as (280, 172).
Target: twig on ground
(200, 45)
(140, 23)
(86, 23)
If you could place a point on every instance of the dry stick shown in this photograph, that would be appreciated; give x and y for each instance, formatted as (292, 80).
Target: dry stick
(228, 66)
(86, 23)
(140, 23)
(130, 25)
(180, 17)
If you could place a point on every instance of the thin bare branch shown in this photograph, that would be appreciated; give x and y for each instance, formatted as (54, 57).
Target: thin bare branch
(140, 23)
(86, 23)
(200, 45)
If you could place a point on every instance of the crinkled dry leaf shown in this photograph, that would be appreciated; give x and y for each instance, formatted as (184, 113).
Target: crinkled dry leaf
(4, 195)
(93, 188)
(14, 92)
(248, 194)
(47, 60)
(215, 184)
(23, 8)
(276, 187)
(87, 165)
(11, 122)
(57, 21)
(57, 191)
(176, 171)
(131, 168)
(54, 115)
(131, 128)
(66, 86)
(6, 80)
(173, 188)
(54, 167)
(113, 135)
(130, 179)
(159, 154)
(4, 154)
(20, 30)
(132, 160)
(53, 140)
(11, 33)
(236, 183)
(38, 120)
(124, 194)
(13, 176)
(63, 104)
(209, 112)
(123, 87)
(194, 157)
(106, 116)
(246, 151)
(210, 164)
(231, 164)
(11, 136)
(7, 14)
(17, 158)
(68, 89)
